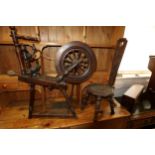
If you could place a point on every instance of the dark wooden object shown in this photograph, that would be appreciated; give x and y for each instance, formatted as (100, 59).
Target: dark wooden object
(146, 110)
(142, 120)
(151, 66)
(132, 96)
(30, 73)
(149, 94)
(102, 91)
(144, 114)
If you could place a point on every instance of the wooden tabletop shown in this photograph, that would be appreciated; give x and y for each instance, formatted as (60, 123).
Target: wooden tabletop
(15, 115)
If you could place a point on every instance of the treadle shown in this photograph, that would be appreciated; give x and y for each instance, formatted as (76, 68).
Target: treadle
(36, 115)
(53, 109)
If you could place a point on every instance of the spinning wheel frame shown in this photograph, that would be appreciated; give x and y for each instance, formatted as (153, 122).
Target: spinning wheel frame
(79, 55)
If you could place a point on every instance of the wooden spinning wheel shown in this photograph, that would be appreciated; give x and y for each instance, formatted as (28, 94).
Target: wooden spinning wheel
(77, 61)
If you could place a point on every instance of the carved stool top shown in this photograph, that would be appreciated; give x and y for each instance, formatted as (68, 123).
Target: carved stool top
(100, 90)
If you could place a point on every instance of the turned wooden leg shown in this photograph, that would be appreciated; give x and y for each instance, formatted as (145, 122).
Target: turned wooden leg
(111, 105)
(84, 101)
(97, 108)
(69, 102)
(43, 99)
(32, 98)
(78, 93)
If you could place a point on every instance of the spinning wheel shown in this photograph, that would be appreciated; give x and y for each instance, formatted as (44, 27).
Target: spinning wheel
(77, 61)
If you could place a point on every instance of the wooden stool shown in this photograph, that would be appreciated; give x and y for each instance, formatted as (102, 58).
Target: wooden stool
(100, 92)
(105, 91)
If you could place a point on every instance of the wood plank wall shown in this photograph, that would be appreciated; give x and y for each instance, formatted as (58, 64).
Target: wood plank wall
(97, 36)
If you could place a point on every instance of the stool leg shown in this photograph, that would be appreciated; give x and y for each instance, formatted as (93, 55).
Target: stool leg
(97, 108)
(32, 98)
(111, 106)
(84, 101)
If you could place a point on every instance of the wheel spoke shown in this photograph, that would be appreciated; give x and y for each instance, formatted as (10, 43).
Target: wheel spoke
(69, 56)
(76, 73)
(79, 54)
(82, 69)
(84, 64)
(67, 65)
(79, 71)
(85, 60)
(67, 61)
(75, 54)
(83, 55)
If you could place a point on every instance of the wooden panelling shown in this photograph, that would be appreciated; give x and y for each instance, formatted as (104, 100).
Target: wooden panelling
(117, 33)
(93, 35)
(103, 35)
(8, 59)
(49, 56)
(101, 38)
(22, 30)
(61, 34)
(44, 33)
(28, 30)
(5, 34)
(103, 56)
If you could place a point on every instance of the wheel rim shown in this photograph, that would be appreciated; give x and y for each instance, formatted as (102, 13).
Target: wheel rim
(71, 52)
